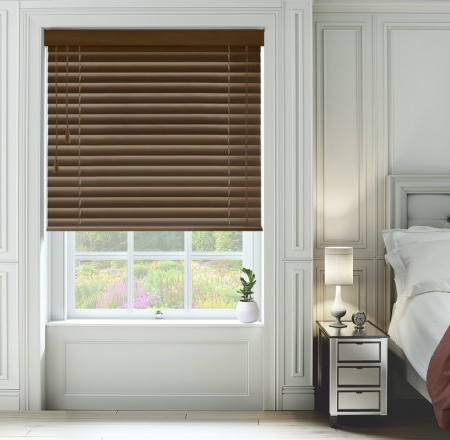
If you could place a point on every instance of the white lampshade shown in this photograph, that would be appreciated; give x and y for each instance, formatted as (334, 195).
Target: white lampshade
(339, 265)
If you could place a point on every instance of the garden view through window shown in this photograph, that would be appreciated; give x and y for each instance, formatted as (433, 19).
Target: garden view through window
(138, 273)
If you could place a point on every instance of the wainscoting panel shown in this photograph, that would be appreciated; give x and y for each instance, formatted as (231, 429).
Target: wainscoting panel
(154, 367)
(9, 338)
(297, 335)
(345, 168)
(417, 62)
(297, 185)
(9, 93)
(158, 368)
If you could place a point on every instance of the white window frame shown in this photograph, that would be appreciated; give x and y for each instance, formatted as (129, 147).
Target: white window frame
(62, 264)
(130, 256)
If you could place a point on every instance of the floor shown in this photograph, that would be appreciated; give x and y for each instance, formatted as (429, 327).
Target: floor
(406, 421)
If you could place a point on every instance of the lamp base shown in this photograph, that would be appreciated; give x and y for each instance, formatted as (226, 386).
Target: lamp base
(338, 324)
(338, 310)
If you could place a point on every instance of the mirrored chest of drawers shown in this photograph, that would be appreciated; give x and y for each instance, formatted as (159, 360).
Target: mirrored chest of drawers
(352, 370)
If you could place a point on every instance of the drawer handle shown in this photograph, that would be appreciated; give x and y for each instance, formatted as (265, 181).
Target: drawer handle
(359, 343)
(359, 392)
(360, 368)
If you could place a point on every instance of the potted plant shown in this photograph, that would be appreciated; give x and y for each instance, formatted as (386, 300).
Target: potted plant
(247, 309)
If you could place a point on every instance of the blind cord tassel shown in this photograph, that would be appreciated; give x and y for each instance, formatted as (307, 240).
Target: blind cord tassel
(55, 162)
(67, 137)
(79, 136)
(246, 134)
(228, 135)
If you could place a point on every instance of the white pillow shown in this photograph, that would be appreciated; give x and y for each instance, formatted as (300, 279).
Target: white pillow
(421, 267)
(397, 238)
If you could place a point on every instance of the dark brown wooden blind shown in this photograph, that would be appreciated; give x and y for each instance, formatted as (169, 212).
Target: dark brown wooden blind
(154, 130)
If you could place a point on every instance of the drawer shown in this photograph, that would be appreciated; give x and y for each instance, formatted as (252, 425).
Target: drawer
(359, 352)
(358, 376)
(358, 401)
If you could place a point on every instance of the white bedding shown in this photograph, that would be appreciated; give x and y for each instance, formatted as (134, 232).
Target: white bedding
(418, 324)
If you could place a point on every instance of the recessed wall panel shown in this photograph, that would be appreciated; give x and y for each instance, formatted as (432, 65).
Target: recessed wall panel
(156, 368)
(9, 67)
(341, 161)
(419, 101)
(298, 312)
(9, 340)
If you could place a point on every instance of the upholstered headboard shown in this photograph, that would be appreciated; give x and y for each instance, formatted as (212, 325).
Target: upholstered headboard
(416, 200)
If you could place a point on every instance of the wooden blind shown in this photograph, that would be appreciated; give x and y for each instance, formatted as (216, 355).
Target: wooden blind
(154, 130)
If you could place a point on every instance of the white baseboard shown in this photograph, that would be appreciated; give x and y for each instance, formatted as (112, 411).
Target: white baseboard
(9, 401)
(298, 398)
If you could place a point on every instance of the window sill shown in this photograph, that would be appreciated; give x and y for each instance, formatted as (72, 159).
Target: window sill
(154, 322)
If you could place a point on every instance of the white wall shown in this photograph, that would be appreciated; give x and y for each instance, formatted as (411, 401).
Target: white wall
(9, 251)
(267, 365)
(382, 89)
(382, 74)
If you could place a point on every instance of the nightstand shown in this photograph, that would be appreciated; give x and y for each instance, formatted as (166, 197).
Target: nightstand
(352, 370)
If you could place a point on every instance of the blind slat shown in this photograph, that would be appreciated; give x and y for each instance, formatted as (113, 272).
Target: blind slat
(169, 139)
(157, 150)
(156, 181)
(150, 202)
(236, 192)
(149, 160)
(158, 212)
(158, 170)
(159, 98)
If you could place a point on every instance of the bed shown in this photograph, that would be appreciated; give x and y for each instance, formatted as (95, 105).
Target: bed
(417, 245)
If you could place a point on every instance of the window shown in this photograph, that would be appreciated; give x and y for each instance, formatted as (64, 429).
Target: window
(135, 274)
(152, 131)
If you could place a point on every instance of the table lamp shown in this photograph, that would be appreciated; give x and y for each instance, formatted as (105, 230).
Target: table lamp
(338, 272)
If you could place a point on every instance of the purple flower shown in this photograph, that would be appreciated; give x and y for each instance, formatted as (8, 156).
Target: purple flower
(116, 296)
(146, 301)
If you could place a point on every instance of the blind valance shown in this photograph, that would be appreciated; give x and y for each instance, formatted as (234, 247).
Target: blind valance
(147, 131)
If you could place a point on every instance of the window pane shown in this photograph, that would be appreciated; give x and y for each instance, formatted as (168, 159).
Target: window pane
(159, 284)
(100, 284)
(159, 241)
(101, 241)
(216, 241)
(215, 284)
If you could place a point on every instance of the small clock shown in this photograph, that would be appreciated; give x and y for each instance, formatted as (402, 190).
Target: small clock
(359, 319)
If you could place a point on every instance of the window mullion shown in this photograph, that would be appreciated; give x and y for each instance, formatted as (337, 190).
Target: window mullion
(130, 271)
(217, 255)
(114, 256)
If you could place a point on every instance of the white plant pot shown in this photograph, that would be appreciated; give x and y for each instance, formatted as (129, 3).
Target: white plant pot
(247, 311)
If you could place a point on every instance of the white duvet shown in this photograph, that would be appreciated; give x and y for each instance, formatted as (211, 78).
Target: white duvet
(418, 324)
(420, 259)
